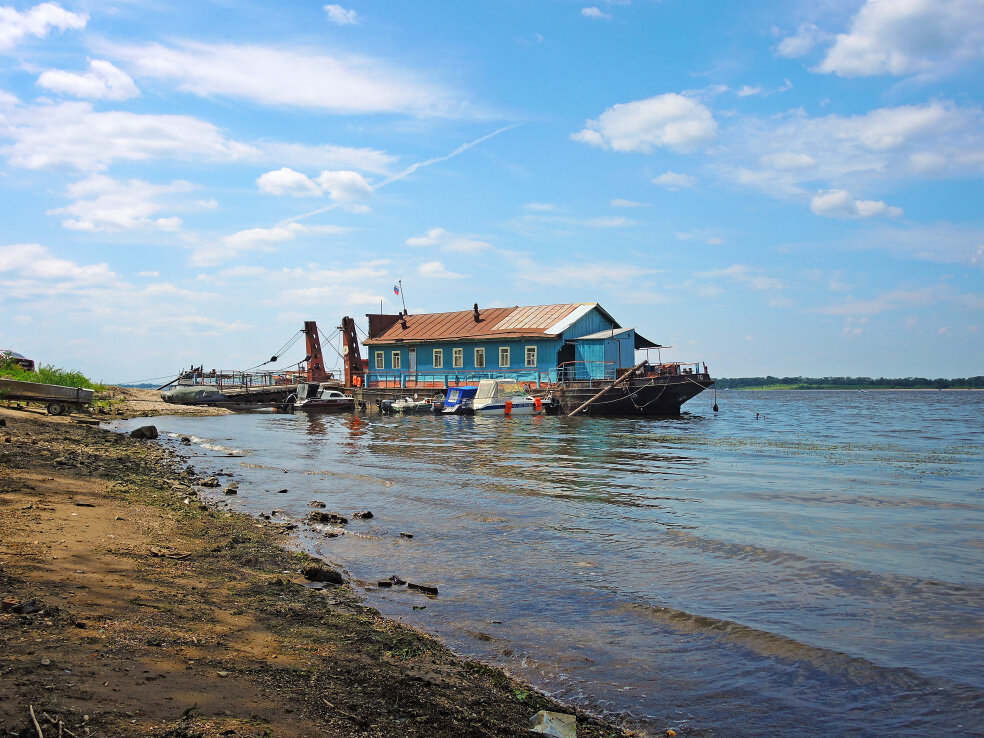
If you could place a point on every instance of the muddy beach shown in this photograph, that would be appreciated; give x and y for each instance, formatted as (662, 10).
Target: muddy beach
(130, 607)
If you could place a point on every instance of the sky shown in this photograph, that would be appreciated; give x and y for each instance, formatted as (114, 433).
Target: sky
(787, 188)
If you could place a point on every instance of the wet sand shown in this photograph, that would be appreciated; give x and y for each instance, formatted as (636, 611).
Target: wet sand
(130, 608)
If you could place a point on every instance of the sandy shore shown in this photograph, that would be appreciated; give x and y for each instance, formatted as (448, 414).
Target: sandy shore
(130, 608)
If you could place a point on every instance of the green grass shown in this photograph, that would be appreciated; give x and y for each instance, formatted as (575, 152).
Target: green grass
(47, 374)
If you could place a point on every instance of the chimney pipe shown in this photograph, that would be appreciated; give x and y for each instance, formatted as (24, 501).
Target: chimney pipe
(476, 313)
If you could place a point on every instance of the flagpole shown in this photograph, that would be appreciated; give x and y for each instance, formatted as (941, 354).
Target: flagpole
(402, 298)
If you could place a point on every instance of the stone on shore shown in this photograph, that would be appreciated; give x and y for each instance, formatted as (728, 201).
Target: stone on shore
(148, 432)
(330, 518)
(558, 724)
(321, 573)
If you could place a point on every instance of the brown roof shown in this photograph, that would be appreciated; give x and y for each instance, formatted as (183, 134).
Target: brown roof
(511, 322)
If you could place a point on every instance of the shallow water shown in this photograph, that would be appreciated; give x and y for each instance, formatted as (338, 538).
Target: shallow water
(799, 562)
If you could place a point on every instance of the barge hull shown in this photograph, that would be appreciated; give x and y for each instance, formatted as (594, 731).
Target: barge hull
(647, 396)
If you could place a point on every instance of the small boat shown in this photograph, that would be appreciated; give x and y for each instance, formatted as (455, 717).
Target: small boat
(505, 397)
(459, 400)
(410, 406)
(313, 398)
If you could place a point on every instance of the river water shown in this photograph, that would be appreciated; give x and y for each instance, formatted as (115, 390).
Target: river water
(801, 562)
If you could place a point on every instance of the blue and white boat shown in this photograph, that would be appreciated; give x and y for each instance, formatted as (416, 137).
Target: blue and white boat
(505, 397)
(459, 400)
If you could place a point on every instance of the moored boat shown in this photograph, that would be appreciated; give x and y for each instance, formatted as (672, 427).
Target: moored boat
(313, 398)
(459, 400)
(505, 397)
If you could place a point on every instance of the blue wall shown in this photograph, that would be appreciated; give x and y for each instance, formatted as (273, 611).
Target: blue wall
(546, 365)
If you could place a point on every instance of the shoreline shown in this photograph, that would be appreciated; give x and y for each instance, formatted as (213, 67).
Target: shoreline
(130, 607)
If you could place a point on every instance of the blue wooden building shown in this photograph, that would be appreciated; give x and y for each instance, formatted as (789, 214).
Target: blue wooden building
(541, 343)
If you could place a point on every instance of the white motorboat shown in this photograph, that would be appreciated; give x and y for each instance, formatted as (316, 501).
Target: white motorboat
(505, 397)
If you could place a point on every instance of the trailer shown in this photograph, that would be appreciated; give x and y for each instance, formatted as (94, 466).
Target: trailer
(58, 399)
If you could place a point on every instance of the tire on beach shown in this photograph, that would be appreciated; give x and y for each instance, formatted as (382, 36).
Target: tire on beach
(57, 408)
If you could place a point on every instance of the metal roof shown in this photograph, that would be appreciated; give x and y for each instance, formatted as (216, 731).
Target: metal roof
(513, 322)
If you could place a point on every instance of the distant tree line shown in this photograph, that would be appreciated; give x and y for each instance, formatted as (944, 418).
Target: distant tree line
(848, 383)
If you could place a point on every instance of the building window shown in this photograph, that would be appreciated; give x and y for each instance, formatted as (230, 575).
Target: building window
(531, 356)
(479, 358)
(504, 357)
(458, 358)
(438, 358)
(396, 359)
(380, 360)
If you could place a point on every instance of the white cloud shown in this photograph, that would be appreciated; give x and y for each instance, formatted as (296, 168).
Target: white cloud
(840, 204)
(901, 37)
(618, 202)
(341, 16)
(105, 204)
(291, 77)
(802, 43)
(285, 181)
(37, 21)
(436, 270)
(675, 180)
(898, 299)
(604, 274)
(670, 120)
(595, 13)
(74, 134)
(254, 240)
(344, 186)
(746, 275)
(28, 270)
(103, 81)
(794, 154)
(450, 242)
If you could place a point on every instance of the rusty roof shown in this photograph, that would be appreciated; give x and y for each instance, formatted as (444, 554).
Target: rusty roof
(494, 323)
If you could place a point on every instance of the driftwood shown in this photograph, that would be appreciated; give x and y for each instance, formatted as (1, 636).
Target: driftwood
(34, 720)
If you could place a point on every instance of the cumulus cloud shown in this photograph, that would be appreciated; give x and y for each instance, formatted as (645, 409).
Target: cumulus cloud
(105, 204)
(675, 180)
(74, 134)
(436, 270)
(902, 37)
(802, 42)
(595, 13)
(37, 21)
(795, 154)
(286, 181)
(446, 241)
(341, 16)
(345, 186)
(103, 81)
(254, 239)
(31, 269)
(840, 204)
(291, 77)
(618, 202)
(669, 120)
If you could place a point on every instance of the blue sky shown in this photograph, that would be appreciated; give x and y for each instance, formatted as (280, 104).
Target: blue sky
(771, 187)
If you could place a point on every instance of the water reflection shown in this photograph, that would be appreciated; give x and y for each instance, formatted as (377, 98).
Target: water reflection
(796, 559)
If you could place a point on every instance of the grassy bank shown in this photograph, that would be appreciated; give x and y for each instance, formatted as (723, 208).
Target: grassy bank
(47, 374)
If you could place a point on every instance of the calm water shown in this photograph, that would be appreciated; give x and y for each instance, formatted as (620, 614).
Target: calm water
(818, 568)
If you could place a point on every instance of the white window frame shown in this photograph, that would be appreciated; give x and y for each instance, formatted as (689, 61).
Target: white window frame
(380, 359)
(480, 351)
(438, 358)
(395, 356)
(527, 357)
(504, 351)
(457, 358)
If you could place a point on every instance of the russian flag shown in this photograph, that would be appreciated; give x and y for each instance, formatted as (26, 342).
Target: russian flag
(396, 289)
